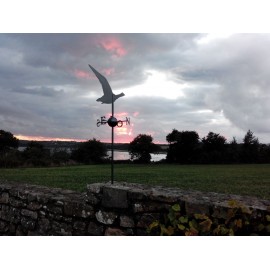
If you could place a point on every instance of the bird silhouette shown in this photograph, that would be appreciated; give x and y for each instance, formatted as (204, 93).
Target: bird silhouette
(108, 97)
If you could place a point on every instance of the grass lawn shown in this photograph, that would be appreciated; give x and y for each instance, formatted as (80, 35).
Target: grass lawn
(253, 180)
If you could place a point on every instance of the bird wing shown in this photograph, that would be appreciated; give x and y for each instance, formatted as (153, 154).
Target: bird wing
(104, 83)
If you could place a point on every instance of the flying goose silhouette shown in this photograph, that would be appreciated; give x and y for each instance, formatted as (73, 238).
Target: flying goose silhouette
(108, 97)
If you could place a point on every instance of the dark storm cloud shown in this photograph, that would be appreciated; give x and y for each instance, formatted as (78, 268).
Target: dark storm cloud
(47, 88)
(52, 58)
(240, 67)
(40, 91)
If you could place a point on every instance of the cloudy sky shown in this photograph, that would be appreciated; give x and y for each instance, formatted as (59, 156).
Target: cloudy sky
(201, 82)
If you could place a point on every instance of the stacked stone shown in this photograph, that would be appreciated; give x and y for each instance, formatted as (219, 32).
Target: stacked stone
(125, 209)
(129, 209)
(36, 210)
(105, 209)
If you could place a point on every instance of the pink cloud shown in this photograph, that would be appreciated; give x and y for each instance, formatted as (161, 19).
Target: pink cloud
(113, 45)
(121, 114)
(108, 71)
(80, 74)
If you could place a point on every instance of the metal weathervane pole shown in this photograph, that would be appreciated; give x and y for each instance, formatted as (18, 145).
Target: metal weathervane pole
(112, 146)
(109, 98)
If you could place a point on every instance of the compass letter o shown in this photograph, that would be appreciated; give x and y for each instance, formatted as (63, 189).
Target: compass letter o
(120, 123)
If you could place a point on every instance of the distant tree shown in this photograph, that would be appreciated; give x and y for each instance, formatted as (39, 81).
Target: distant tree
(7, 141)
(9, 155)
(264, 154)
(92, 151)
(214, 148)
(35, 154)
(60, 157)
(183, 146)
(250, 150)
(10, 159)
(233, 151)
(250, 139)
(174, 136)
(141, 147)
(233, 141)
(213, 141)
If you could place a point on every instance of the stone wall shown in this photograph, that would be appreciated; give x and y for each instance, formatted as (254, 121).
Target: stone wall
(105, 209)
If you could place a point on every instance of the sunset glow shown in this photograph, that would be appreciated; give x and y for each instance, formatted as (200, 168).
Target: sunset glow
(122, 131)
(41, 138)
(123, 135)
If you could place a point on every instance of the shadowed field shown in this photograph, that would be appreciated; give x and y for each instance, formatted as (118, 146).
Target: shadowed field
(253, 180)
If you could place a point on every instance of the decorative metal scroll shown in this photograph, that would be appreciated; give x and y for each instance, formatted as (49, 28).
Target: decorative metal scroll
(104, 121)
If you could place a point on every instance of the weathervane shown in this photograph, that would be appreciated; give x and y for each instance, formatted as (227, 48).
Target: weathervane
(109, 98)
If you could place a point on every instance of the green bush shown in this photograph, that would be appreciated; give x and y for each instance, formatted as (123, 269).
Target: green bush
(238, 221)
(90, 152)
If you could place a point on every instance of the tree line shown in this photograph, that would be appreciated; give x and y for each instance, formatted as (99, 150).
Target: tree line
(184, 147)
(35, 154)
